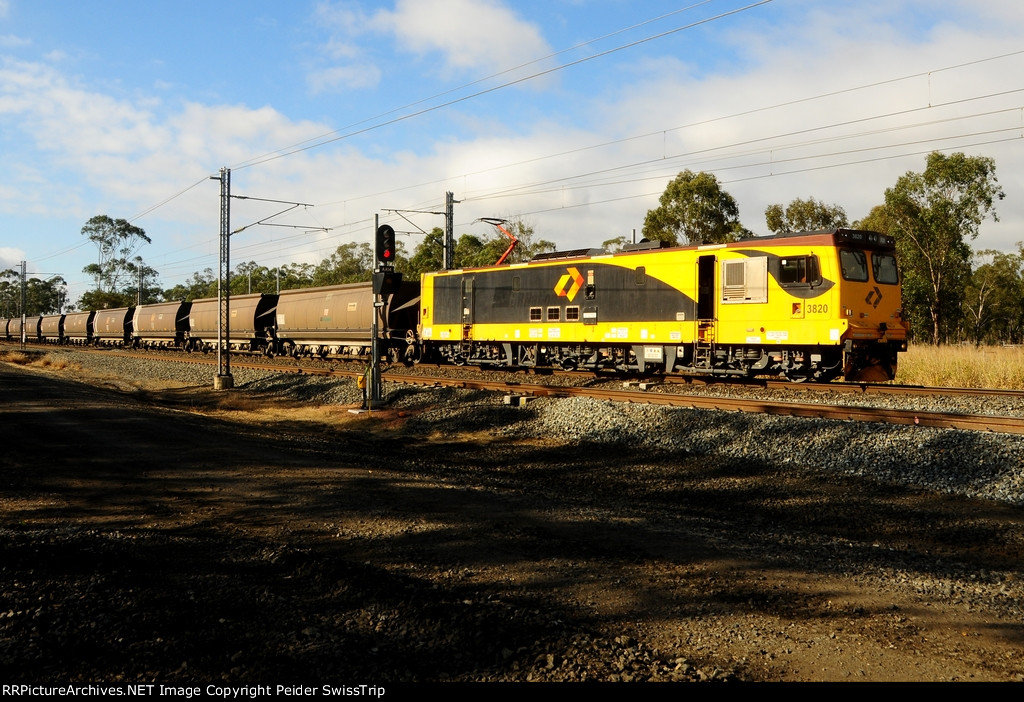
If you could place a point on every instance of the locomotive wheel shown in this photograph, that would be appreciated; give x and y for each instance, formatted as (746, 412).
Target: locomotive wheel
(827, 375)
(798, 375)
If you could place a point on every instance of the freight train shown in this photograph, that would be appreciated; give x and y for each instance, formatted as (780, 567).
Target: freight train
(327, 321)
(817, 305)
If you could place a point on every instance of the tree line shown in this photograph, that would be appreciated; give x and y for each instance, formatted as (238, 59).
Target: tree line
(951, 293)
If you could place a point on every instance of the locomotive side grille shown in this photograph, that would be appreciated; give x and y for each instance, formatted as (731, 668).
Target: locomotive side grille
(745, 280)
(735, 280)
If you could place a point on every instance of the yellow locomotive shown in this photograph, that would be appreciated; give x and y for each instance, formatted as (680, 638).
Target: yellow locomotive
(815, 305)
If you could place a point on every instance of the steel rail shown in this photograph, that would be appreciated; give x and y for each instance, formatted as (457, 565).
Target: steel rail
(945, 420)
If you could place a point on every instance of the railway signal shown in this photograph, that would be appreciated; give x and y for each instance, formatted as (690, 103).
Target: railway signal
(386, 244)
(386, 282)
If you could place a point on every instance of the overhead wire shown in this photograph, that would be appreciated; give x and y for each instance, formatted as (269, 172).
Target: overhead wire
(478, 81)
(320, 141)
(516, 81)
(255, 162)
(712, 120)
(522, 189)
(591, 203)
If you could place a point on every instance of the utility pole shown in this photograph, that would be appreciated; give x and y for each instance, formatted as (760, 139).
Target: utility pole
(224, 380)
(373, 391)
(23, 298)
(449, 230)
(448, 241)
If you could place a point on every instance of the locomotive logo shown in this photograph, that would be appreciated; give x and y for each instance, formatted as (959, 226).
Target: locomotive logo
(563, 287)
(874, 297)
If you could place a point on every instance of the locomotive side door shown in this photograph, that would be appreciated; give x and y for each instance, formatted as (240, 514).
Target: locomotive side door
(706, 288)
(467, 308)
(706, 267)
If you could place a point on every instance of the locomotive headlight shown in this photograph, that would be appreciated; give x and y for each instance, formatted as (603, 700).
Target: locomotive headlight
(849, 312)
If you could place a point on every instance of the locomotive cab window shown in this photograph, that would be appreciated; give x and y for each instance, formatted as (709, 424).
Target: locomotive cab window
(641, 275)
(854, 265)
(799, 270)
(883, 266)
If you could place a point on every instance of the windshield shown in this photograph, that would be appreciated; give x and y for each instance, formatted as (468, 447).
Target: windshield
(883, 266)
(854, 265)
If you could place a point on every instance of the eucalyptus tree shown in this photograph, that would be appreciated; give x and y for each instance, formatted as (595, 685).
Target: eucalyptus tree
(694, 210)
(116, 242)
(934, 216)
(804, 216)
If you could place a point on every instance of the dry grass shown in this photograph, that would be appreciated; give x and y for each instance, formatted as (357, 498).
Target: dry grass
(18, 358)
(270, 410)
(963, 366)
(36, 360)
(55, 363)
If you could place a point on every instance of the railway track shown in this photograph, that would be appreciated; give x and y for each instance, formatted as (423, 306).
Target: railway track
(664, 393)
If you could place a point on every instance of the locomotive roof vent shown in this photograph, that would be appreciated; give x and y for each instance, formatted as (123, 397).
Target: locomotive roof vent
(574, 253)
(646, 245)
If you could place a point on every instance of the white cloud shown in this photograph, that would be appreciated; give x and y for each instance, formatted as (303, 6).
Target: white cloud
(471, 38)
(352, 77)
(472, 35)
(10, 41)
(10, 258)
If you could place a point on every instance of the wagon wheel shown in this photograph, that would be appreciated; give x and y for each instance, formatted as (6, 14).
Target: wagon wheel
(413, 353)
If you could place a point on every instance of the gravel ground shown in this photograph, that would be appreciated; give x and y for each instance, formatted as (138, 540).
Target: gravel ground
(452, 537)
(989, 466)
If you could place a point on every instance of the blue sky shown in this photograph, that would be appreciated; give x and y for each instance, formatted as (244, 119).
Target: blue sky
(126, 109)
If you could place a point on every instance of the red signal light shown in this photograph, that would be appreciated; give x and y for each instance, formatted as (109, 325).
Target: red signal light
(385, 236)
